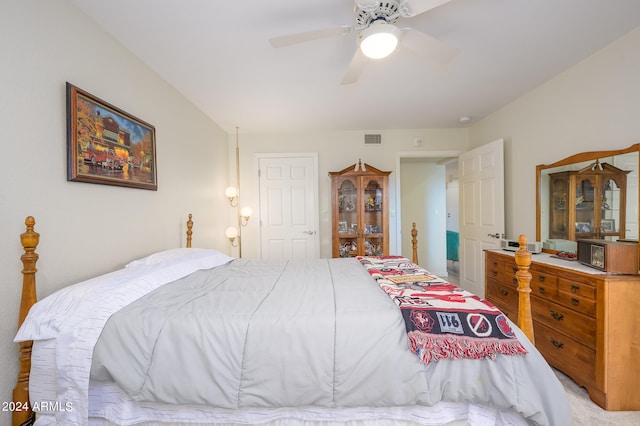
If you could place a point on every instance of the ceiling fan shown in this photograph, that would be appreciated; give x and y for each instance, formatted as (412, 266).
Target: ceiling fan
(377, 34)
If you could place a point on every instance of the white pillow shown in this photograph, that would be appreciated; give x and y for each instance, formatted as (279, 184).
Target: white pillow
(173, 254)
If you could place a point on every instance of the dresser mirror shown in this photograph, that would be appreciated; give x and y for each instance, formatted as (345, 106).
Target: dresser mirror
(589, 195)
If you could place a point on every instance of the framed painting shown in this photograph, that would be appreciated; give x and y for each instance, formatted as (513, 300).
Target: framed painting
(106, 145)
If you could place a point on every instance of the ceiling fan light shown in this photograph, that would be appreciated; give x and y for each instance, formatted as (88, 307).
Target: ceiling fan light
(379, 40)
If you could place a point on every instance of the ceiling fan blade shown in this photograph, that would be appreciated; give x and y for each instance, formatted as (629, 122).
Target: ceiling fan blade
(290, 39)
(416, 7)
(357, 64)
(427, 46)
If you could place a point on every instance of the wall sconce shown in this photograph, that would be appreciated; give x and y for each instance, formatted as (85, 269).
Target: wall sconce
(232, 235)
(245, 215)
(232, 194)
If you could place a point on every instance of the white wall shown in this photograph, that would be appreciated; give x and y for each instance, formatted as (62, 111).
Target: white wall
(592, 106)
(336, 150)
(87, 229)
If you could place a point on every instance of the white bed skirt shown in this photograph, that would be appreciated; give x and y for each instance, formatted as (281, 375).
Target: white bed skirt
(290, 422)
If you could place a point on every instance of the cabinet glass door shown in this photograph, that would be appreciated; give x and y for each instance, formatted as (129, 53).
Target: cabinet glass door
(559, 217)
(585, 208)
(348, 218)
(373, 217)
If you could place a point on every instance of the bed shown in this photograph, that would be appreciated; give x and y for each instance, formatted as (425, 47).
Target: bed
(193, 336)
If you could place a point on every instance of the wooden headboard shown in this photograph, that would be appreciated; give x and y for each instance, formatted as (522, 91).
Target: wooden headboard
(30, 240)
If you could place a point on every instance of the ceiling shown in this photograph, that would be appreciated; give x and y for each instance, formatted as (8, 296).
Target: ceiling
(217, 54)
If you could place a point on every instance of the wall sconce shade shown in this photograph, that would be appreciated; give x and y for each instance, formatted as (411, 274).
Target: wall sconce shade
(232, 235)
(379, 40)
(232, 194)
(245, 215)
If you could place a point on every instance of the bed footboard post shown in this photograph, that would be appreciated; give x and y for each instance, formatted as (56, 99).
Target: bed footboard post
(414, 243)
(523, 260)
(29, 240)
(189, 230)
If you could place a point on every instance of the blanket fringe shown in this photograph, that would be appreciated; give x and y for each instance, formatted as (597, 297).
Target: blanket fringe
(431, 348)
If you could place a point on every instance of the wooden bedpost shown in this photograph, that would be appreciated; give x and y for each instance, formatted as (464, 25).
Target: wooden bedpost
(414, 242)
(29, 240)
(189, 231)
(523, 260)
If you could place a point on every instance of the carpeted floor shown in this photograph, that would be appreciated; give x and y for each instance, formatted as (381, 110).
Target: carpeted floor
(587, 413)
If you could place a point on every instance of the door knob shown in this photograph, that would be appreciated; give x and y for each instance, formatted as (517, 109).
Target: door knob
(309, 232)
(496, 235)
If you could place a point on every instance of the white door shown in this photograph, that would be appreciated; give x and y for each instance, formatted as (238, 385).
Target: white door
(629, 162)
(481, 174)
(288, 206)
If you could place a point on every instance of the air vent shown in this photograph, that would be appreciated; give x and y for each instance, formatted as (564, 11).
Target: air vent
(373, 139)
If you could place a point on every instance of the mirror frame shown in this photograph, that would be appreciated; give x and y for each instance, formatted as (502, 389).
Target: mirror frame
(576, 158)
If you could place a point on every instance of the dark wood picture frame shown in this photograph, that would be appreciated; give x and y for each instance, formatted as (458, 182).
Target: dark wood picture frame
(106, 145)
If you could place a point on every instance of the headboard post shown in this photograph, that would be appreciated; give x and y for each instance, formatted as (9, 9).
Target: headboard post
(523, 260)
(414, 242)
(29, 240)
(189, 230)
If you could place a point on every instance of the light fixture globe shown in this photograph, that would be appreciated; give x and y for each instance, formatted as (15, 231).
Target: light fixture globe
(379, 40)
(231, 232)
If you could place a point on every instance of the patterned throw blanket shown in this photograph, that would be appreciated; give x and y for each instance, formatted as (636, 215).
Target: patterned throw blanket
(442, 320)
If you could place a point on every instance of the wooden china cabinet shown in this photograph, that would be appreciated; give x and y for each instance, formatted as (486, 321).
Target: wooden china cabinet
(360, 211)
(588, 203)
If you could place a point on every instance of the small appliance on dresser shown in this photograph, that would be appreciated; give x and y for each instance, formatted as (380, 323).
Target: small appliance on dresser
(609, 256)
(585, 320)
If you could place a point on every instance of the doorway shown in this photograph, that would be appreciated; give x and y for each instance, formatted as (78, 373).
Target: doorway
(422, 182)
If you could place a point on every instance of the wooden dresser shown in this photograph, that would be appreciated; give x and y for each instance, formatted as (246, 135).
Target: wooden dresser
(586, 323)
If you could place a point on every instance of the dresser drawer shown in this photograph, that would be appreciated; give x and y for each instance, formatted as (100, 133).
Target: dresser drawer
(543, 278)
(544, 284)
(494, 262)
(501, 271)
(546, 291)
(579, 326)
(577, 303)
(577, 288)
(502, 276)
(566, 354)
(503, 294)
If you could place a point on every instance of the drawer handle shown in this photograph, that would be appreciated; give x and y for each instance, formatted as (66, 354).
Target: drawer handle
(495, 273)
(541, 290)
(556, 316)
(515, 270)
(574, 301)
(574, 289)
(541, 278)
(515, 281)
(503, 292)
(495, 264)
(556, 343)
